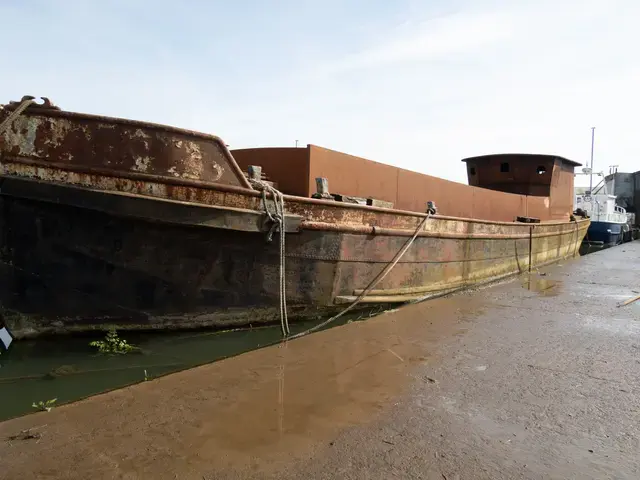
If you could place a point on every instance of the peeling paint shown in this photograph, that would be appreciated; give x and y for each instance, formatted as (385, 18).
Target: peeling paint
(219, 171)
(59, 131)
(192, 163)
(142, 164)
(318, 215)
(87, 132)
(85, 141)
(23, 135)
(140, 134)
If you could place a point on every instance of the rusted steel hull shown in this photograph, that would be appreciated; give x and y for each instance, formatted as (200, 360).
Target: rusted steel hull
(85, 244)
(66, 268)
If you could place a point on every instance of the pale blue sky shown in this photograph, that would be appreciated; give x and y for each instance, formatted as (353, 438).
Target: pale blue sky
(418, 84)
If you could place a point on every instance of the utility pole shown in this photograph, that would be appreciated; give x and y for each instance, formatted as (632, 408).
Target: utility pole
(593, 133)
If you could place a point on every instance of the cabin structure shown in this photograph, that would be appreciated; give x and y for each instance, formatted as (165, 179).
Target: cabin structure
(490, 195)
(536, 175)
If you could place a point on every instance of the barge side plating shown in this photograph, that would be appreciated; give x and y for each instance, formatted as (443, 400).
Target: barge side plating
(112, 222)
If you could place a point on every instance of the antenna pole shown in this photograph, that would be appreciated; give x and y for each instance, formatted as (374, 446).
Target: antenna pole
(593, 133)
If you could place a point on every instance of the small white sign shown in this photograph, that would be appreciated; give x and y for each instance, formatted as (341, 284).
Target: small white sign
(5, 337)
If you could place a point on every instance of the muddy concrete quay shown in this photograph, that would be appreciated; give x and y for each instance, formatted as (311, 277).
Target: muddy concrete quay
(534, 378)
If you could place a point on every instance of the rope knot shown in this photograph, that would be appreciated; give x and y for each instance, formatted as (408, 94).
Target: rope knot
(277, 218)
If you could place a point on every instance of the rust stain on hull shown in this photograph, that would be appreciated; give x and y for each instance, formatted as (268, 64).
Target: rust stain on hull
(80, 247)
(68, 269)
(318, 214)
(122, 146)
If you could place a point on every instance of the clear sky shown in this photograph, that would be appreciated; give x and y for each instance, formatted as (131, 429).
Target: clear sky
(417, 84)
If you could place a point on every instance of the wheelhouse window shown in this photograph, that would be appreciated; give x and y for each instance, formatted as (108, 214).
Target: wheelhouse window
(541, 170)
(472, 170)
(504, 167)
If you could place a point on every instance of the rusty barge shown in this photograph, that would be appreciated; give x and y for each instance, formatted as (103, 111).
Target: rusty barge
(112, 222)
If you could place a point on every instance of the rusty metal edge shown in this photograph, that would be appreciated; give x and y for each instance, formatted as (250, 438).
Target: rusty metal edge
(125, 204)
(131, 175)
(35, 111)
(423, 289)
(255, 193)
(408, 213)
(391, 298)
(382, 299)
(427, 289)
(373, 230)
(30, 111)
(417, 298)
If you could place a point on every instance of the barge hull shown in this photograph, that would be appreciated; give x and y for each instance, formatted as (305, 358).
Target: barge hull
(113, 222)
(65, 269)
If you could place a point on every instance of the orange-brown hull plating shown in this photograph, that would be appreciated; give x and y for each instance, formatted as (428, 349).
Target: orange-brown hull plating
(90, 238)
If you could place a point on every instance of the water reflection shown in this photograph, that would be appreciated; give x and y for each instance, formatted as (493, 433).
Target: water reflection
(257, 410)
(68, 369)
(544, 287)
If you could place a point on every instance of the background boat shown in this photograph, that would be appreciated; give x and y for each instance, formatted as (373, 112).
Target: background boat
(609, 221)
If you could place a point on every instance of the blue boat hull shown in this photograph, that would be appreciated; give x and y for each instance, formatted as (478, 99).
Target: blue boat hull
(607, 233)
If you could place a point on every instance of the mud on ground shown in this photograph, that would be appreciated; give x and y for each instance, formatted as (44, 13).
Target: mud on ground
(536, 378)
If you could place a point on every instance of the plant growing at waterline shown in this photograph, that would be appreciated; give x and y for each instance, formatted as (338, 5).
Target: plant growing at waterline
(44, 406)
(113, 344)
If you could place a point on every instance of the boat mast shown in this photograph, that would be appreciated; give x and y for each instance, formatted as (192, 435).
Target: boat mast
(593, 132)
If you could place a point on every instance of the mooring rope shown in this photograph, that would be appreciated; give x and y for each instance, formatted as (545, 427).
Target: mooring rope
(15, 114)
(371, 285)
(278, 223)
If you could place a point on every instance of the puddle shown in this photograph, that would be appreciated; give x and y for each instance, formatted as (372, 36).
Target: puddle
(543, 286)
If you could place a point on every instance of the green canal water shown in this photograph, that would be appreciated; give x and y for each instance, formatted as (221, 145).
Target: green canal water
(69, 369)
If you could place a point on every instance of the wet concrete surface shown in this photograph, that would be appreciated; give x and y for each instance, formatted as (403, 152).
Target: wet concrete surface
(534, 378)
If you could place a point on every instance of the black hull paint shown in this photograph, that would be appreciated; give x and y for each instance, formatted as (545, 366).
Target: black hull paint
(64, 268)
(607, 234)
(67, 269)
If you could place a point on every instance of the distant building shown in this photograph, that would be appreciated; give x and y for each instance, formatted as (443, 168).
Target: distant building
(626, 187)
